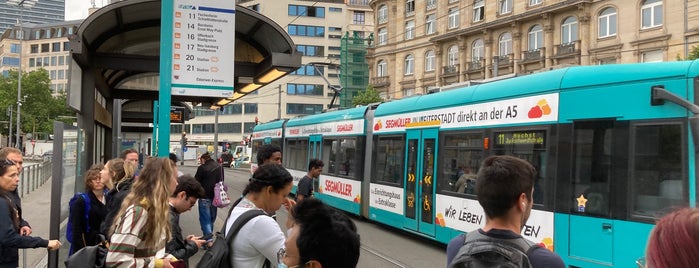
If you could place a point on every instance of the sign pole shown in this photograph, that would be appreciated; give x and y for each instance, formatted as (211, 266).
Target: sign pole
(164, 93)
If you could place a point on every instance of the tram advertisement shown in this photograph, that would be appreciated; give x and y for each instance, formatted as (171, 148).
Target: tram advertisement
(467, 215)
(542, 108)
(386, 197)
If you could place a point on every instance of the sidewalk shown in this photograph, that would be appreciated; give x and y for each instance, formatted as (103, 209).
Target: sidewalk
(36, 210)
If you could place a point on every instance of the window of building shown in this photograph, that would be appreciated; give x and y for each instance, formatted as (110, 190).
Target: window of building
(14, 48)
(334, 9)
(431, 4)
(313, 51)
(202, 128)
(453, 56)
(335, 29)
(536, 37)
(652, 56)
(505, 44)
(303, 108)
(10, 61)
(477, 50)
(304, 89)
(606, 61)
(407, 92)
(39, 62)
(569, 30)
(381, 69)
(56, 47)
(453, 17)
(34, 49)
(306, 30)
(430, 24)
(61, 74)
(651, 14)
(607, 23)
(45, 47)
(535, 2)
(46, 61)
(383, 14)
(409, 7)
(309, 70)
(32, 62)
(429, 61)
(250, 108)
(409, 30)
(334, 48)
(66, 46)
(37, 35)
(358, 17)
(409, 64)
(306, 11)
(54, 61)
(52, 74)
(505, 6)
(383, 36)
(478, 10)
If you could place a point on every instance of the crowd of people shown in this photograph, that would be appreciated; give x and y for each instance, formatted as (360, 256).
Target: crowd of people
(136, 204)
(137, 207)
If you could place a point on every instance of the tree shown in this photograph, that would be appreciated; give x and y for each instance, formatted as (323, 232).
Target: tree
(693, 53)
(370, 95)
(39, 107)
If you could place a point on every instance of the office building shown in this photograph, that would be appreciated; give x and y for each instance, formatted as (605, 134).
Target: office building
(43, 11)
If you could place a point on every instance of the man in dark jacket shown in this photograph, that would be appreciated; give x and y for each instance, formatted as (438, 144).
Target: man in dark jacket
(182, 200)
(208, 174)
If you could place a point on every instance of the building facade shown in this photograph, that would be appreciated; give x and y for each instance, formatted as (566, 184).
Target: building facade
(426, 44)
(43, 11)
(43, 46)
(316, 28)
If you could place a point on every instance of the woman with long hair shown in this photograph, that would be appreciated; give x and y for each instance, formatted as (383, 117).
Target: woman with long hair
(118, 176)
(142, 226)
(85, 225)
(10, 239)
(261, 238)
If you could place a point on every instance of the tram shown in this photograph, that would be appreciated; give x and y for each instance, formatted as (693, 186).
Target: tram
(614, 147)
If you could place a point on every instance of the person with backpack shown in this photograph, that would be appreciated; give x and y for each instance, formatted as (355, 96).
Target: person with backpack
(10, 237)
(208, 174)
(504, 187)
(260, 238)
(87, 211)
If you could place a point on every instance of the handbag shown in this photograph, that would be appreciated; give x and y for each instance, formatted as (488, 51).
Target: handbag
(89, 256)
(221, 198)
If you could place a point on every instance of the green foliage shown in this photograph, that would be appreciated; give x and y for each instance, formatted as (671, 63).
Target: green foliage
(370, 95)
(39, 107)
(693, 53)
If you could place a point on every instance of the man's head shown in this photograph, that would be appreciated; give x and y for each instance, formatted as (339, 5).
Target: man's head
(173, 157)
(504, 184)
(321, 237)
(130, 155)
(269, 153)
(13, 154)
(315, 166)
(186, 193)
(204, 157)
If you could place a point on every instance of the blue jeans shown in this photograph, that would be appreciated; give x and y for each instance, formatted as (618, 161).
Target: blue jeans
(207, 216)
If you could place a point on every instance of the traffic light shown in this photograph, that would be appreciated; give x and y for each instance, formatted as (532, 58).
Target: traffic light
(184, 138)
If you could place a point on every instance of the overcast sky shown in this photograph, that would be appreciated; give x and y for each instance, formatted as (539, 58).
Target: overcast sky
(77, 9)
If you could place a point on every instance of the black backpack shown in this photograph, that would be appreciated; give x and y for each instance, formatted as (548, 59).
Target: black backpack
(480, 250)
(218, 254)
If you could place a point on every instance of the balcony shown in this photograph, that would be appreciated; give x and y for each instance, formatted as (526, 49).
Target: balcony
(380, 81)
(503, 60)
(568, 48)
(358, 2)
(450, 70)
(533, 55)
(475, 65)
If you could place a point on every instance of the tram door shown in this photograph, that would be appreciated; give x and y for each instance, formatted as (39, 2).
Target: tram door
(421, 166)
(314, 146)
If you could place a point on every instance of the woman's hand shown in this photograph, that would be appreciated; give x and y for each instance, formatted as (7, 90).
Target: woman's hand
(54, 244)
(289, 203)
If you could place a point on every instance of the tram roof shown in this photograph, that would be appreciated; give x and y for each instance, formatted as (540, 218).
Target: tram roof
(540, 83)
(270, 125)
(346, 114)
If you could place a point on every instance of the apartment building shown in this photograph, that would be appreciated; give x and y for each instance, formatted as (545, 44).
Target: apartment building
(43, 46)
(426, 44)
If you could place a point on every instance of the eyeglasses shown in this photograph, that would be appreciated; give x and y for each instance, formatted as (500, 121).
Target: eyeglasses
(641, 262)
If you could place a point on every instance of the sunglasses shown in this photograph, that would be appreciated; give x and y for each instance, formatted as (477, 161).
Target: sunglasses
(7, 162)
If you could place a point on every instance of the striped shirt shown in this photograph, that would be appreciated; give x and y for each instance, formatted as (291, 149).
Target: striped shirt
(127, 248)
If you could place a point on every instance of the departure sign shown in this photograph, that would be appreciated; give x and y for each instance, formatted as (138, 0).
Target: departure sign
(176, 116)
(536, 138)
(203, 48)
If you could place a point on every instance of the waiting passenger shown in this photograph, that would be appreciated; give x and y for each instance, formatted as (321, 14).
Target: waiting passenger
(269, 153)
(186, 193)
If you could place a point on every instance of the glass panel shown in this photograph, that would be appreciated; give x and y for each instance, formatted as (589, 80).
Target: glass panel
(658, 180)
(297, 152)
(411, 183)
(460, 157)
(388, 160)
(529, 145)
(427, 195)
(329, 156)
(592, 169)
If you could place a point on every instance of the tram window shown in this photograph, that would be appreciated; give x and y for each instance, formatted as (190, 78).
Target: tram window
(592, 168)
(389, 157)
(658, 180)
(256, 144)
(529, 145)
(296, 155)
(460, 157)
(340, 156)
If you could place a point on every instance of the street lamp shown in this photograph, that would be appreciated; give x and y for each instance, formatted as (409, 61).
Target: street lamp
(21, 4)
